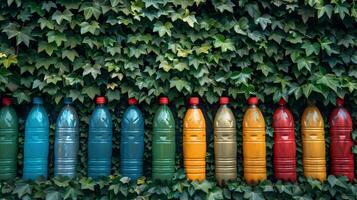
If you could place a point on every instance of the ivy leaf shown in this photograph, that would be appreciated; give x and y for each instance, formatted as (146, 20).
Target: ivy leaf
(70, 54)
(242, 77)
(60, 16)
(163, 29)
(9, 60)
(341, 10)
(53, 195)
(21, 189)
(329, 81)
(180, 84)
(22, 34)
(91, 91)
(91, 28)
(90, 11)
(325, 9)
(311, 48)
(223, 43)
(263, 21)
(189, 18)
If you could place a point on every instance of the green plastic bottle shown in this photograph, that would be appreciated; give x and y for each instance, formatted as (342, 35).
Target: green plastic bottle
(163, 148)
(8, 140)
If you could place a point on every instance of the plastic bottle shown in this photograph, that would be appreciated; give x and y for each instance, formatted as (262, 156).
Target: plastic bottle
(36, 142)
(194, 142)
(132, 142)
(8, 140)
(66, 141)
(100, 141)
(342, 159)
(254, 147)
(284, 143)
(164, 145)
(225, 143)
(313, 137)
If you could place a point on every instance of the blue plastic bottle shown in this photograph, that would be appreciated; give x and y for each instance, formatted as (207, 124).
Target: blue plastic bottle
(66, 141)
(100, 141)
(36, 142)
(132, 142)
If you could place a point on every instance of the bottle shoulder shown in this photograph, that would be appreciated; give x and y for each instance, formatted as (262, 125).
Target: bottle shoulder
(224, 118)
(37, 117)
(132, 118)
(8, 117)
(312, 117)
(67, 118)
(163, 117)
(340, 117)
(253, 118)
(101, 117)
(194, 118)
(283, 118)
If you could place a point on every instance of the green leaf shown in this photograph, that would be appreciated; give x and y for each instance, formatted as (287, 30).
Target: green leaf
(91, 91)
(60, 16)
(180, 84)
(70, 54)
(325, 9)
(223, 43)
(163, 29)
(91, 28)
(8, 61)
(21, 189)
(263, 21)
(53, 195)
(87, 183)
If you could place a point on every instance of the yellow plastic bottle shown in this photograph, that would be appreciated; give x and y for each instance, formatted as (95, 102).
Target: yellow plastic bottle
(254, 148)
(313, 137)
(194, 142)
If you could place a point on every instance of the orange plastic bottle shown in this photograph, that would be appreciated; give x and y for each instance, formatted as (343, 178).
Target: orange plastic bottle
(194, 142)
(313, 137)
(254, 148)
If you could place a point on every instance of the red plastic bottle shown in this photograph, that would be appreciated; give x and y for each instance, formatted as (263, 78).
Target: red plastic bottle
(342, 160)
(284, 143)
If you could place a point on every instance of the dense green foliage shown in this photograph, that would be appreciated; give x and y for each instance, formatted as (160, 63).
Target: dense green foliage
(147, 48)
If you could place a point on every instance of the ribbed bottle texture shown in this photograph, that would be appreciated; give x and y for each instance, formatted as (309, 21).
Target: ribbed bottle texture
(36, 142)
(194, 143)
(100, 142)
(8, 142)
(225, 145)
(284, 144)
(164, 145)
(254, 145)
(312, 126)
(342, 159)
(66, 142)
(132, 142)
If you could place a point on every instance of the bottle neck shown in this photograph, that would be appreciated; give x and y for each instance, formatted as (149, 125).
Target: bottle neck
(194, 106)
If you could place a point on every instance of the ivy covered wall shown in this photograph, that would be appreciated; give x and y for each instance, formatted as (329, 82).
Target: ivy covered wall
(147, 48)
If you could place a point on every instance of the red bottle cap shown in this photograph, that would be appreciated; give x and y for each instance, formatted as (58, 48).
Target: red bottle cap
(132, 101)
(164, 100)
(282, 102)
(340, 101)
(223, 100)
(253, 100)
(100, 100)
(194, 101)
(6, 101)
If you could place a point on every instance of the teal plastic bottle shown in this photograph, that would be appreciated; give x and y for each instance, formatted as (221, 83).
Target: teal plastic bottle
(100, 141)
(164, 145)
(66, 141)
(36, 142)
(132, 142)
(9, 133)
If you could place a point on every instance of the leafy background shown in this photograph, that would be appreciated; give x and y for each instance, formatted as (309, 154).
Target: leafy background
(179, 48)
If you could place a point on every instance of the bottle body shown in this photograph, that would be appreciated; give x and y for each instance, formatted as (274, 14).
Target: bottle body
(132, 143)
(36, 144)
(254, 146)
(164, 145)
(194, 144)
(342, 159)
(225, 145)
(66, 143)
(8, 143)
(312, 127)
(100, 143)
(284, 145)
